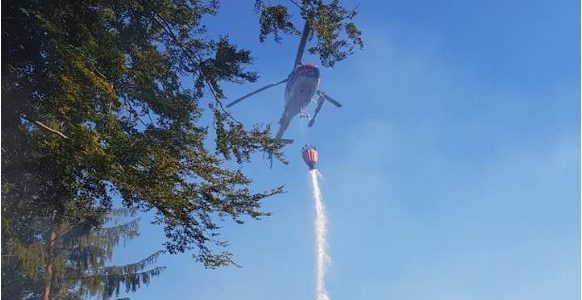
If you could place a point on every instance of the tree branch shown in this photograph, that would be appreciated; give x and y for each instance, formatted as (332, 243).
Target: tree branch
(45, 127)
(153, 270)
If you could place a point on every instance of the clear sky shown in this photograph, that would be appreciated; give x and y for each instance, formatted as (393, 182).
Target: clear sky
(451, 172)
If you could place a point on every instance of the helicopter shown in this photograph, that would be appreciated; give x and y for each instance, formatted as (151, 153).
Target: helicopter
(302, 85)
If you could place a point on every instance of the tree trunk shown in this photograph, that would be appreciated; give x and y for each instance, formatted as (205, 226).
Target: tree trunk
(48, 279)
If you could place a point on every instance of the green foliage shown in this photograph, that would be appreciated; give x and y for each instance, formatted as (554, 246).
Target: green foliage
(274, 19)
(337, 34)
(330, 20)
(79, 261)
(83, 256)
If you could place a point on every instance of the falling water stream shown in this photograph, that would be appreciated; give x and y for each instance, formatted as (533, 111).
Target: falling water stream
(320, 237)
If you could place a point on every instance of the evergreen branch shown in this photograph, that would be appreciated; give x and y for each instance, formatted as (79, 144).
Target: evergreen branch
(45, 127)
(155, 270)
(141, 264)
(116, 230)
(121, 270)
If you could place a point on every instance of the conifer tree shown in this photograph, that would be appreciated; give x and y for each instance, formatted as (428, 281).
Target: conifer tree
(80, 259)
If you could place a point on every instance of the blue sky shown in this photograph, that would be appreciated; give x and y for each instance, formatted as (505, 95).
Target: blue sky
(451, 172)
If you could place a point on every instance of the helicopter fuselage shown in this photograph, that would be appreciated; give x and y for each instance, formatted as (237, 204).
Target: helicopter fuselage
(302, 84)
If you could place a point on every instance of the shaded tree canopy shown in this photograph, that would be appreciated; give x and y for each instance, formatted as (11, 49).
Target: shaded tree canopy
(94, 106)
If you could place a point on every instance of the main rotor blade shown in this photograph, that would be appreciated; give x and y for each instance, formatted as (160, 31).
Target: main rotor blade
(330, 99)
(302, 42)
(255, 92)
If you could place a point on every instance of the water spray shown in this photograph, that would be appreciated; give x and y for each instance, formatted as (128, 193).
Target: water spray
(310, 158)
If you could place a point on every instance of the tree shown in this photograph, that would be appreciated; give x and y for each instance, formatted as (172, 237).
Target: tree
(94, 105)
(85, 251)
(79, 257)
